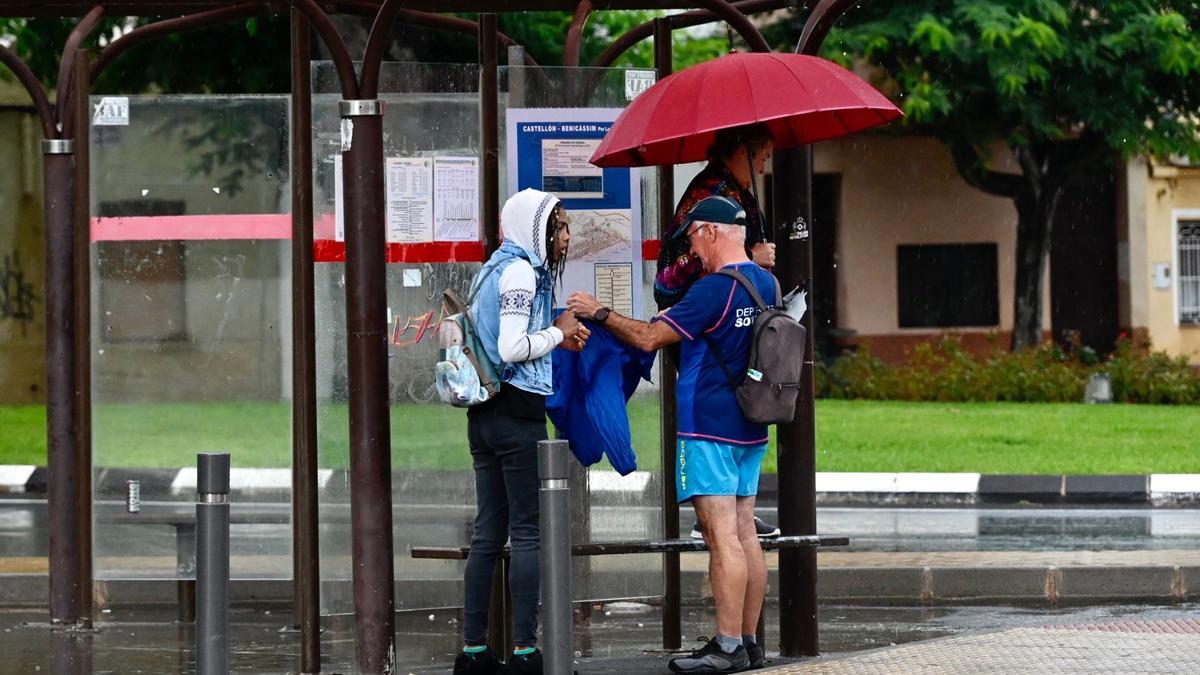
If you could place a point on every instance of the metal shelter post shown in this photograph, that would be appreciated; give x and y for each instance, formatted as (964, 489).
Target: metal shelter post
(82, 114)
(489, 119)
(370, 429)
(306, 577)
(59, 174)
(792, 196)
(797, 441)
(672, 594)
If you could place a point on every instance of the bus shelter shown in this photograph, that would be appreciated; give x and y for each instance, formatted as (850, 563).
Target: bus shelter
(244, 258)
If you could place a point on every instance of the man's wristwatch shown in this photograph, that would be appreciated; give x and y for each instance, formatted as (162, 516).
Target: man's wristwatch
(601, 315)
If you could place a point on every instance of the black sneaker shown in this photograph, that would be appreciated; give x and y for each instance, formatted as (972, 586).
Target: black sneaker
(758, 656)
(761, 527)
(524, 664)
(477, 663)
(764, 529)
(711, 659)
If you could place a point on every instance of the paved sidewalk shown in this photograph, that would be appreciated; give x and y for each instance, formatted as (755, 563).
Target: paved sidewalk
(1168, 646)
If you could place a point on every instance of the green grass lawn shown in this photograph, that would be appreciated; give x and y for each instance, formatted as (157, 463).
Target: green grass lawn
(851, 436)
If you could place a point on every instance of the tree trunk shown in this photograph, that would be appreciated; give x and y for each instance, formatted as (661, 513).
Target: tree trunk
(1035, 192)
(1035, 218)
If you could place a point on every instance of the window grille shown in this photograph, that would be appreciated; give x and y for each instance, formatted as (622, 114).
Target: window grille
(947, 285)
(1189, 271)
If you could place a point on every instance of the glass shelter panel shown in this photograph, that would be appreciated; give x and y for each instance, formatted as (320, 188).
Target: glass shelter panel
(191, 327)
(606, 505)
(431, 141)
(431, 127)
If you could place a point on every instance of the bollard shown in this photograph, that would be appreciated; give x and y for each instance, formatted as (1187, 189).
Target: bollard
(554, 502)
(212, 564)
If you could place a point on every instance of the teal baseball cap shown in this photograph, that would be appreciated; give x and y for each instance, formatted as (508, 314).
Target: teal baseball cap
(716, 209)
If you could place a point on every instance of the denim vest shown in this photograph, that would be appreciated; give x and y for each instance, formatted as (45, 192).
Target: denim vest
(534, 375)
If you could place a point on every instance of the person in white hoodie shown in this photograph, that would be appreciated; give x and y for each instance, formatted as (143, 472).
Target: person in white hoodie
(512, 313)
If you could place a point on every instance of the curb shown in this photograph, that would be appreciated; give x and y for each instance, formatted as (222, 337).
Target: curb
(833, 488)
(1051, 586)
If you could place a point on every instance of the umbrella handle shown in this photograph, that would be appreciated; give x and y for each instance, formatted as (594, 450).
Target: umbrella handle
(762, 227)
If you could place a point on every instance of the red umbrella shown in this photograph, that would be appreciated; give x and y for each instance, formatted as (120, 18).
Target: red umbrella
(803, 99)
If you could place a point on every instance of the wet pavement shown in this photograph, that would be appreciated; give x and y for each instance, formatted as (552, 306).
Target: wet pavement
(623, 638)
(23, 529)
(896, 543)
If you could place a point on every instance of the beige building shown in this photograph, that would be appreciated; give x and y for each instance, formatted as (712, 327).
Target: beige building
(901, 203)
(911, 252)
(1160, 282)
(22, 259)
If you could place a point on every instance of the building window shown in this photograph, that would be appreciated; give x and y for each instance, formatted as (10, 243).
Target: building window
(948, 285)
(142, 283)
(1188, 245)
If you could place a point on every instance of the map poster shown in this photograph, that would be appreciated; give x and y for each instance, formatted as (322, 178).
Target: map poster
(548, 149)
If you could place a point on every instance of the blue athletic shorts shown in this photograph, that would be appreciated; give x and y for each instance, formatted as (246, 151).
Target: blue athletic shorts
(706, 468)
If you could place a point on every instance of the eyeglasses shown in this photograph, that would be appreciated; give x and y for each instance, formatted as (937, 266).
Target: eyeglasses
(699, 227)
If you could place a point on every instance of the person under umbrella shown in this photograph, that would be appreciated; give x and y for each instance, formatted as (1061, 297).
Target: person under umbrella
(736, 157)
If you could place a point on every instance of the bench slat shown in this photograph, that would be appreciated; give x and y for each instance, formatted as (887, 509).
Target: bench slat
(649, 546)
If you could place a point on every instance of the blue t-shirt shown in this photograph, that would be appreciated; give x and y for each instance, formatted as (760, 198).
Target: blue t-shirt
(719, 307)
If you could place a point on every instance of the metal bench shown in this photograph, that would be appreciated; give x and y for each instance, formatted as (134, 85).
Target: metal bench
(500, 610)
(181, 516)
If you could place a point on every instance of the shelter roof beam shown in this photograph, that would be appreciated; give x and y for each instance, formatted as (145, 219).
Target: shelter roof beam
(182, 7)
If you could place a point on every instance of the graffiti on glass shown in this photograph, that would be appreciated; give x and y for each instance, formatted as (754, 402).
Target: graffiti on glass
(17, 299)
(414, 329)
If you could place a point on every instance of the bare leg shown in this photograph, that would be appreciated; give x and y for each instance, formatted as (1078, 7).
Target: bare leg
(726, 560)
(756, 566)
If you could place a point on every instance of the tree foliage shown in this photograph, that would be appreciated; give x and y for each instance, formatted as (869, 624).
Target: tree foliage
(1032, 71)
(250, 56)
(1064, 86)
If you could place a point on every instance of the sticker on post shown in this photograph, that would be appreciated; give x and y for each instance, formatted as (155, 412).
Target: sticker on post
(637, 81)
(798, 230)
(111, 111)
(347, 134)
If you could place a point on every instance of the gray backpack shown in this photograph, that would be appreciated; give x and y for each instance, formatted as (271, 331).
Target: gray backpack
(767, 391)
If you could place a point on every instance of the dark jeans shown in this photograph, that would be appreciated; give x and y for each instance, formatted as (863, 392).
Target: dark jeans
(504, 452)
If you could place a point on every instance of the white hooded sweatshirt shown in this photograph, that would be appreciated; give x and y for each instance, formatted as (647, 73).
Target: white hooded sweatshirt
(523, 222)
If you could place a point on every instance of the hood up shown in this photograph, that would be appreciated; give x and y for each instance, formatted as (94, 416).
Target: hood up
(523, 223)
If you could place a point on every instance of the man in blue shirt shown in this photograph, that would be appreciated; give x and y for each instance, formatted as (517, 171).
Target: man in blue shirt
(719, 451)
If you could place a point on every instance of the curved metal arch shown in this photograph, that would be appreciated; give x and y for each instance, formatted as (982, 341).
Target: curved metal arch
(342, 62)
(574, 43)
(685, 20)
(159, 29)
(435, 21)
(66, 65)
(738, 21)
(41, 102)
(372, 61)
(818, 24)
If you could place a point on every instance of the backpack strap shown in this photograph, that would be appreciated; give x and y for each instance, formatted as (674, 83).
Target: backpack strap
(736, 275)
(740, 278)
(483, 275)
(715, 349)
